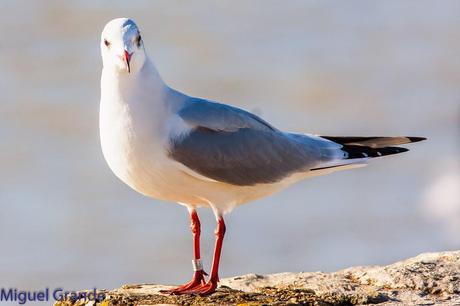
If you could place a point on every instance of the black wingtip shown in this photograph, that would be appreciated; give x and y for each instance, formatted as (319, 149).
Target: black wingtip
(398, 150)
(356, 151)
(416, 139)
(390, 151)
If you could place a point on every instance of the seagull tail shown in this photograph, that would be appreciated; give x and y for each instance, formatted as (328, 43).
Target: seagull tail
(360, 149)
(370, 147)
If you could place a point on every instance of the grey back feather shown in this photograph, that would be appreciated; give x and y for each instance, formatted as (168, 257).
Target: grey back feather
(220, 117)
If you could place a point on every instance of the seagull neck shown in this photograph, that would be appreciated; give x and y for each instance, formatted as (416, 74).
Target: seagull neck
(149, 72)
(145, 82)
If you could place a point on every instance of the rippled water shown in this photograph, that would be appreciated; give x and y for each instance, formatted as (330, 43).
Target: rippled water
(332, 68)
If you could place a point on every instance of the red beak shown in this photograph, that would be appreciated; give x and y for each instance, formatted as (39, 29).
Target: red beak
(127, 59)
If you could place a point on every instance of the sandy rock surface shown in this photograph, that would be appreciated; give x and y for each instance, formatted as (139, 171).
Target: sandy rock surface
(428, 279)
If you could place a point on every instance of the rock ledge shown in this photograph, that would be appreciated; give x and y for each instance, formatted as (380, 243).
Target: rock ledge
(428, 279)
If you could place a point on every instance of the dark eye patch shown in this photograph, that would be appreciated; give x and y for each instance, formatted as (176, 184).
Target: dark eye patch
(138, 40)
(106, 43)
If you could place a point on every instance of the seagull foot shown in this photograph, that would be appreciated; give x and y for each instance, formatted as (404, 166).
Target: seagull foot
(196, 282)
(204, 289)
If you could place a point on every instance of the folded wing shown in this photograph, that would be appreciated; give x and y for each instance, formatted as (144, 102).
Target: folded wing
(231, 145)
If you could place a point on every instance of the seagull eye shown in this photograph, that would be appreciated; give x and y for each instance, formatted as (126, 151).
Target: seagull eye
(106, 43)
(138, 41)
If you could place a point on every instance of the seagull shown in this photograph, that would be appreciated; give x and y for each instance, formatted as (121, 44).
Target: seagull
(199, 153)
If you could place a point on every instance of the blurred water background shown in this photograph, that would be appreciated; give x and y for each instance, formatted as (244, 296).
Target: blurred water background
(325, 67)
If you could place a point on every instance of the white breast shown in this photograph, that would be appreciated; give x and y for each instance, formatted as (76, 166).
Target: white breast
(131, 119)
(135, 148)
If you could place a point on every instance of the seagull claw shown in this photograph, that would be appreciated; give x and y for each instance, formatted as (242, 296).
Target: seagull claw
(196, 282)
(204, 289)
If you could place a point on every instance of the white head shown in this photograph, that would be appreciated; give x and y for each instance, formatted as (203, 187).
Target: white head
(122, 47)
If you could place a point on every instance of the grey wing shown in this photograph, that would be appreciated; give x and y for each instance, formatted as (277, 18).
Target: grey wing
(232, 146)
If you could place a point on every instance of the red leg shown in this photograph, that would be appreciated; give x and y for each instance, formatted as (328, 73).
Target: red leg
(211, 285)
(198, 275)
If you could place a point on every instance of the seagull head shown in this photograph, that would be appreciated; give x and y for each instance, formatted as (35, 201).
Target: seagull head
(122, 47)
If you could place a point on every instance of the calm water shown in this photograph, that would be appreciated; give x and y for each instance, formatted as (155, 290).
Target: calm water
(332, 68)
